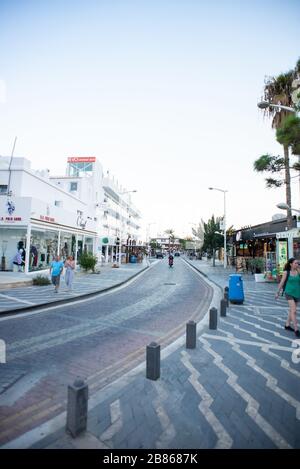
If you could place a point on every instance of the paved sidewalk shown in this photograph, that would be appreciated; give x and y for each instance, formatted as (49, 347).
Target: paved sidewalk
(238, 389)
(24, 297)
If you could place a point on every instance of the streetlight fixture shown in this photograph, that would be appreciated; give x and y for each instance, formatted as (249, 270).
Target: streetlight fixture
(224, 222)
(284, 206)
(266, 104)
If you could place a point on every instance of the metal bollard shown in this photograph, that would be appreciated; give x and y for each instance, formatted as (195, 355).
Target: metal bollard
(223, 306)
(153, 361)
(213, 318)
(191, 334)
(78, 394)
(226, 298)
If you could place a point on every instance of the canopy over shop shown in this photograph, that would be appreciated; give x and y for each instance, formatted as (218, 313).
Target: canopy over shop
(267, 240)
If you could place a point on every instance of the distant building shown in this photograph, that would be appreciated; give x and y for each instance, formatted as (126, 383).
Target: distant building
(166, 244)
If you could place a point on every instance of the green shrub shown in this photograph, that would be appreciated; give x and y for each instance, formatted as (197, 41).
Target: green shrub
(257, 265)
(40, 280)
(87, 261)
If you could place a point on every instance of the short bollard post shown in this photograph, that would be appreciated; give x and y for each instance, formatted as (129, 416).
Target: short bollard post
(153, 361)
(78, 394)
(191, 334)
(226, 298)
(213, 318)
(223, 306)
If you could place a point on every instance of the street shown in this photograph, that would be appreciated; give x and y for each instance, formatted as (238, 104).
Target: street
(97, 340)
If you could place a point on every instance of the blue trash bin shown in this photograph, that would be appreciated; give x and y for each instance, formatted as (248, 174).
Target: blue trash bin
(133, 259)
(236, 289)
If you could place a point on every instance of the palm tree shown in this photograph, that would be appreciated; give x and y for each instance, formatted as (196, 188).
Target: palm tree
(278, 90)
(198, 232)
(170, 232)
(212, 239)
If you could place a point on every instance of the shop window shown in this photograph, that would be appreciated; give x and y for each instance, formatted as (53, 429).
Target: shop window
(43, 249)
(3, 189)
(67, 245)
(11, 241)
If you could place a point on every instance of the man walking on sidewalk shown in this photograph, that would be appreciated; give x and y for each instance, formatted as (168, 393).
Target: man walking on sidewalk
(56, 269)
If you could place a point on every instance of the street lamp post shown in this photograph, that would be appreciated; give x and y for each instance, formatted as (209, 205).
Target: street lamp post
(224, 222)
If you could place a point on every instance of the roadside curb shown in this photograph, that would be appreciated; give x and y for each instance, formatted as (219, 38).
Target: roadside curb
(74, 298)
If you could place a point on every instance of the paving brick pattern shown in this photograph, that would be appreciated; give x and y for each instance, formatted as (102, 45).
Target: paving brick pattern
(98, 340)
(238, 389)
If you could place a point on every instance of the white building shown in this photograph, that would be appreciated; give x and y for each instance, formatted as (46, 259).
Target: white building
(42, 218)
(167, 243)
(50, 215)
(121, 220)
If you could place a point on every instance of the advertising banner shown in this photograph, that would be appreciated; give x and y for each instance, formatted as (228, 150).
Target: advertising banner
(282, 257)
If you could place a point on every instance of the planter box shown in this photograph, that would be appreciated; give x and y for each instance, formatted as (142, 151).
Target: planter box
(259, 277)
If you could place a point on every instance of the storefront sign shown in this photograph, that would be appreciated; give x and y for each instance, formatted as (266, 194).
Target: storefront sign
(282, 258)
(286, 234)
(10, 219)
(82, 159)
(50, 219)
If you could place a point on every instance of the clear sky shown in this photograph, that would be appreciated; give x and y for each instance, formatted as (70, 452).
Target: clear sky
(163, 92)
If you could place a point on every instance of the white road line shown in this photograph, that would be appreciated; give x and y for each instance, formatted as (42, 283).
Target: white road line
(252, 408)
(224, 439)
(16, 299)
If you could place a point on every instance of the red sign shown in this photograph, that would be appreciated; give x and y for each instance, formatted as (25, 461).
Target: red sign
(82, 159)
(42, 217)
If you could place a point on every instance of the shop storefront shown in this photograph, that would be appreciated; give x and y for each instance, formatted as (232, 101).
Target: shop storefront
(270, 241)
(39, 238)
(40, 244)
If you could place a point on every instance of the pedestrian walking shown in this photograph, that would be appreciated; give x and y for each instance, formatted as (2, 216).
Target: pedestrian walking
(70, 268)
(290, 285)
(18, 261)
(56, 269)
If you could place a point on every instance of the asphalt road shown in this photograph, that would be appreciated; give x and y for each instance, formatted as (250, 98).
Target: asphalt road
(97, 340)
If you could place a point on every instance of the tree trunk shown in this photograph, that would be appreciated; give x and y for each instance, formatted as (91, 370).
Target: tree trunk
(288, 186)
(214, 263)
